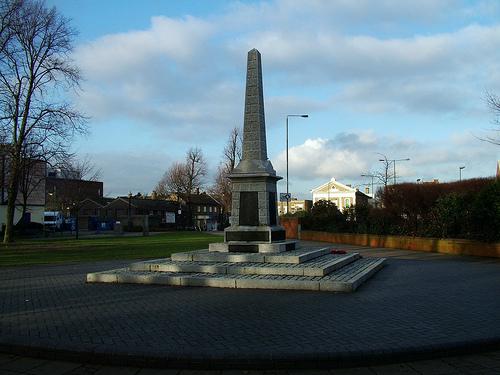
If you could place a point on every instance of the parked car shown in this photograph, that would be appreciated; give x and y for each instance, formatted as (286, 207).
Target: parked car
(53, 220)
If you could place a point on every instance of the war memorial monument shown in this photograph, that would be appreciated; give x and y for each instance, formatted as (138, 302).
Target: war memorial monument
(255, 252)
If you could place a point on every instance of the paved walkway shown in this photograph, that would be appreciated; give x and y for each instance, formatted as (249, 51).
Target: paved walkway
(478, 364)
(419, 305)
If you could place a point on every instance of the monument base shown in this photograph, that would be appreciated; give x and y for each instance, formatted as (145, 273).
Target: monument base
(253, 246)
(311, 268)
(254, 239)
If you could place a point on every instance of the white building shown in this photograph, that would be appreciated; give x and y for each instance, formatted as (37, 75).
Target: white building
(342, 195)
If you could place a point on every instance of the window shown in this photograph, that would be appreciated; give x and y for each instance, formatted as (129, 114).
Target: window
(204, 208)
(347, 202)
(199, 208)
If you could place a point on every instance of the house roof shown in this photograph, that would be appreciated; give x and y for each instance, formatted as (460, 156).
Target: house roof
(335, 184)
(202, 198)
(146, 204)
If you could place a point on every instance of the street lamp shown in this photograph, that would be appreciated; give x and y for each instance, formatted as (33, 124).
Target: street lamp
(460, 171)
(372, 176)
(394, 162)
(129, 211)
(287, 193)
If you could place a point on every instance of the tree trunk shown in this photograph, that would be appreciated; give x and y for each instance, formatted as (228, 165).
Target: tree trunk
(11, 202)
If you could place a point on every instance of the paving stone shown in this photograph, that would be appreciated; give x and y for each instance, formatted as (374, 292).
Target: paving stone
(23, 364)
(484, 360)
(102, 277)
(207, 280)
(309, 372)
(353, 371)
(433, 367)
(85, 369)
(8, 372)
(394, 369)
(266, 282)
(411, 303)
(154, 371)
(54, 368)
(118, 370)
(4, 358)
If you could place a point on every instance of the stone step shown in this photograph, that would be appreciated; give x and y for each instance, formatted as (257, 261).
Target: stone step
(297, 256)
(254, 246)
(345, 279)
(319, 266)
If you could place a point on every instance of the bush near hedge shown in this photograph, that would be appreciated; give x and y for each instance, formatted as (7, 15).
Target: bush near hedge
(469, 209)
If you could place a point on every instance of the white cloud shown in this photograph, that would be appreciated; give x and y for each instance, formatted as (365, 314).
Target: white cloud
(183, 72)
(184, 77)
(348, 155)
(127, 171)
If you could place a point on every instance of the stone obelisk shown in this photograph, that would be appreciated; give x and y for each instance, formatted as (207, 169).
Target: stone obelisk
(254, 218)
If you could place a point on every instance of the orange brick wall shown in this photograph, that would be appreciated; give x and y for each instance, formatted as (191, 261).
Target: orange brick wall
(446, 246)
(291, 225)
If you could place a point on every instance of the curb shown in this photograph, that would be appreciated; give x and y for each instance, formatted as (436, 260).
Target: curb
(249, 362)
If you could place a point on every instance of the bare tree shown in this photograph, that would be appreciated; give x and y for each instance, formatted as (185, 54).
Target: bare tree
(32, 175)
(494, 105)
(196, 168)
(80, 169)
(8, 12)
(221, 188)
(36, 157)
(183, 177)
(35, 73)
(233, 149)
(176, 178)
(384, 174)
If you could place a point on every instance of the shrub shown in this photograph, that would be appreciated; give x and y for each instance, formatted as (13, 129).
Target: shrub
(324, 215)
(448, 217)
(28, 229)
(485, 213)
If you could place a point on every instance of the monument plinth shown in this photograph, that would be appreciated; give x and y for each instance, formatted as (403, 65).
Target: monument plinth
(254, 224)
(254, 253)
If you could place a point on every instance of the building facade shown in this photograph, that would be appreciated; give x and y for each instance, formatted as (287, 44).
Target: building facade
(295, 206)
(206, 212)
(30, 200)
(62, 194)
(343, 196)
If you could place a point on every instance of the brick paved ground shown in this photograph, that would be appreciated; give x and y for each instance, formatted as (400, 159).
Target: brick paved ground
(418, 302)
(477, 364)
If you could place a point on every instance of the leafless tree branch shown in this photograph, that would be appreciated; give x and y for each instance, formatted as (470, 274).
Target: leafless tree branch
(36, 73)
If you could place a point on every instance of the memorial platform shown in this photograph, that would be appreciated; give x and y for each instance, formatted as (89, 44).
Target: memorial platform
(301, 269)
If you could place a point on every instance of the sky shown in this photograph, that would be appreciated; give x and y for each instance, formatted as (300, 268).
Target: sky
(400, 79)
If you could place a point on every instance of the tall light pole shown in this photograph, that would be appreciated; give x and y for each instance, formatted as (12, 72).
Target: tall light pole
(460, 171)
(394, 163)
(372, 176)
(287, 193)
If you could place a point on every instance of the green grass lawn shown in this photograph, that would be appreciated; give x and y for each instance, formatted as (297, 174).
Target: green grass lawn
(51, 251)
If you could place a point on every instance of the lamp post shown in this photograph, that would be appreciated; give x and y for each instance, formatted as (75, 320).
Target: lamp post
(129, 211)
(394, 163)
(372, 176)
(287, 193)
(460, 171)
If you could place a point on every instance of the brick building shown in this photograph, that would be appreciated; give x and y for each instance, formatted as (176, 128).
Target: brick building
(31, 190)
